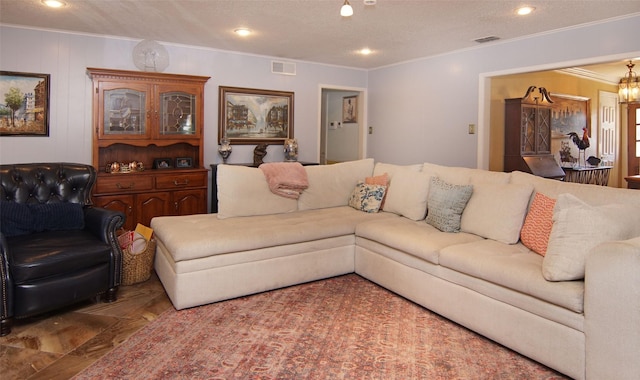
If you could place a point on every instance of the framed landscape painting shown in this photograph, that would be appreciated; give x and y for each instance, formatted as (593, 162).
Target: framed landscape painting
(24, 107)
(250, 116)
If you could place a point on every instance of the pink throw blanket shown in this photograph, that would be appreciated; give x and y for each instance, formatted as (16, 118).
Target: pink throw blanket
(287, 179)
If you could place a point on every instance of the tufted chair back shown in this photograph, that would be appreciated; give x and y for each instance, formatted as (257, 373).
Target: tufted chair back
(47, 183)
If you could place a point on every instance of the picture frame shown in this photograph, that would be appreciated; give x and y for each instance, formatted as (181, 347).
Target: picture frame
(253, 116)
(184, 162)
(350, 109)
(24, 104)
(163, 163)
(570, 113)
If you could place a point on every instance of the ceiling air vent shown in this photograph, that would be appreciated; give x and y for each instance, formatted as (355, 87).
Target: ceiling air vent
(285, 68)
(486, 39)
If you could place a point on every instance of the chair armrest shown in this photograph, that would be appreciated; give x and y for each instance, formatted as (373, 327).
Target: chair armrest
(612, 310)
(6, 282)
(103, 222)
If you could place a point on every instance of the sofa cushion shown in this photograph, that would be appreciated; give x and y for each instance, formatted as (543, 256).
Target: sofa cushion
(203, 235)
(464, 176)
(591, 194)
(367, 198)
(407, 194)
(391, 169)
(497, 211)
(512, 266)
(538, 223)
(416, 238)
(15, 219)
(579, 227)
(244, 191)
(446, 202)
(331, 185)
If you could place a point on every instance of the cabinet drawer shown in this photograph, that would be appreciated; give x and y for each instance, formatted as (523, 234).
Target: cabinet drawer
(123, 183)
(177, 181)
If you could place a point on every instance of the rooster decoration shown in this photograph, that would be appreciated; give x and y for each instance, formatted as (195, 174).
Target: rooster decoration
(582, 143)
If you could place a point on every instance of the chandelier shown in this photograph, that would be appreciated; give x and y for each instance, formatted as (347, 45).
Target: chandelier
(629, 87)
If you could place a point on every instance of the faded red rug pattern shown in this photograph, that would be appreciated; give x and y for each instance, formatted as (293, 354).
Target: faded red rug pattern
(341, 328)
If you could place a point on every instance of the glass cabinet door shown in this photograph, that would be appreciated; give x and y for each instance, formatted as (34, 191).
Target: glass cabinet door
(528, 130)
(178, 113)
(124, 112)
(543, 137)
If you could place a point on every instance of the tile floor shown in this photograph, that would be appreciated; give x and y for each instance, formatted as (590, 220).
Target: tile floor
(59, 345)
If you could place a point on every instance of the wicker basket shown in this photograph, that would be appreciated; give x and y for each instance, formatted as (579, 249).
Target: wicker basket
(136, 267)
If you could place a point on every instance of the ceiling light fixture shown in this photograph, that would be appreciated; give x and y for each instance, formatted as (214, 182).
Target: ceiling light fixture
(243, 32)
(629, 87)
(346, 10)
(54, 3)
(365, 51)
(523, 11)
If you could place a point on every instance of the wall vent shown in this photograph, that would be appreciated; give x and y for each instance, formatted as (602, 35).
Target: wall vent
(285, 68)
(486, 39)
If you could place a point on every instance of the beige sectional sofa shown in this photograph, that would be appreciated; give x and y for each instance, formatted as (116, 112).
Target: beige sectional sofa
(576, 310)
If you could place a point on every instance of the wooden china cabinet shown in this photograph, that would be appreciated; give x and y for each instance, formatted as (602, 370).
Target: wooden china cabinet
(527, 144)
(142, 124)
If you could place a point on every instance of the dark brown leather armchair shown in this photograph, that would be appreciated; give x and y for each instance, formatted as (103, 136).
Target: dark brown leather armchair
(56, 248)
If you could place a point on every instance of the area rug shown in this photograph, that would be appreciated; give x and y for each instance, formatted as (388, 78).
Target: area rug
(340, 328)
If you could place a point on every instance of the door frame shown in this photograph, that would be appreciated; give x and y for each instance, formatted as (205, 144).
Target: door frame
(362, 116)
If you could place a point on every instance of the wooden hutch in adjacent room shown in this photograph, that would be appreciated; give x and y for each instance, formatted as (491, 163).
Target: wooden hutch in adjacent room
(527, 142)
(148, 143)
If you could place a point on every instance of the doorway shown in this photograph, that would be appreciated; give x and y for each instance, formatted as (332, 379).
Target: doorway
(342, 120)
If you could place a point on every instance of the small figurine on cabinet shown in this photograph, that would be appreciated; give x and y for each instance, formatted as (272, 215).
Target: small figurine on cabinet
(258, 154)
(566, 158)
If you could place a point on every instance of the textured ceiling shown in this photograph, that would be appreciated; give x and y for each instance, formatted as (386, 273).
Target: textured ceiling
(313, 30)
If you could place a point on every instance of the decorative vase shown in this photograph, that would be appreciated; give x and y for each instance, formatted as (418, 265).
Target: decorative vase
(225, 149)
(291, 150)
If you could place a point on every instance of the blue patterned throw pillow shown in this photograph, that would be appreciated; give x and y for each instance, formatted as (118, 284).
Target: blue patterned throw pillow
(367, 198)
(445, 204)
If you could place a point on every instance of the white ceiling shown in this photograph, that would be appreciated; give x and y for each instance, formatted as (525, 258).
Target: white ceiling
(313, 30)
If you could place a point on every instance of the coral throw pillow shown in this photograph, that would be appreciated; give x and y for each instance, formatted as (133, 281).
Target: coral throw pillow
(537, 224)
(381, 180)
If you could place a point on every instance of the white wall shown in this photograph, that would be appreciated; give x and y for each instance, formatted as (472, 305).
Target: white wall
(420, 110)
(66, 56)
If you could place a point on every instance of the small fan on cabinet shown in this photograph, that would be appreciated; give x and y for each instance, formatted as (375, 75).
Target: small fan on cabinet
(149, 55)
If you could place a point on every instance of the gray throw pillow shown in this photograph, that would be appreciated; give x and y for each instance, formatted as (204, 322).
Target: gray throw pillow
(445, 204)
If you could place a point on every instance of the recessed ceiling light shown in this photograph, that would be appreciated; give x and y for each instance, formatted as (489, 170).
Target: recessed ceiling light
(523, 11)
(242, 32)
(365, 51)
(54, 3)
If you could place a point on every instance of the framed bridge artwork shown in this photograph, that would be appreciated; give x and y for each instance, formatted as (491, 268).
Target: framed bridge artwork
(252, 116)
